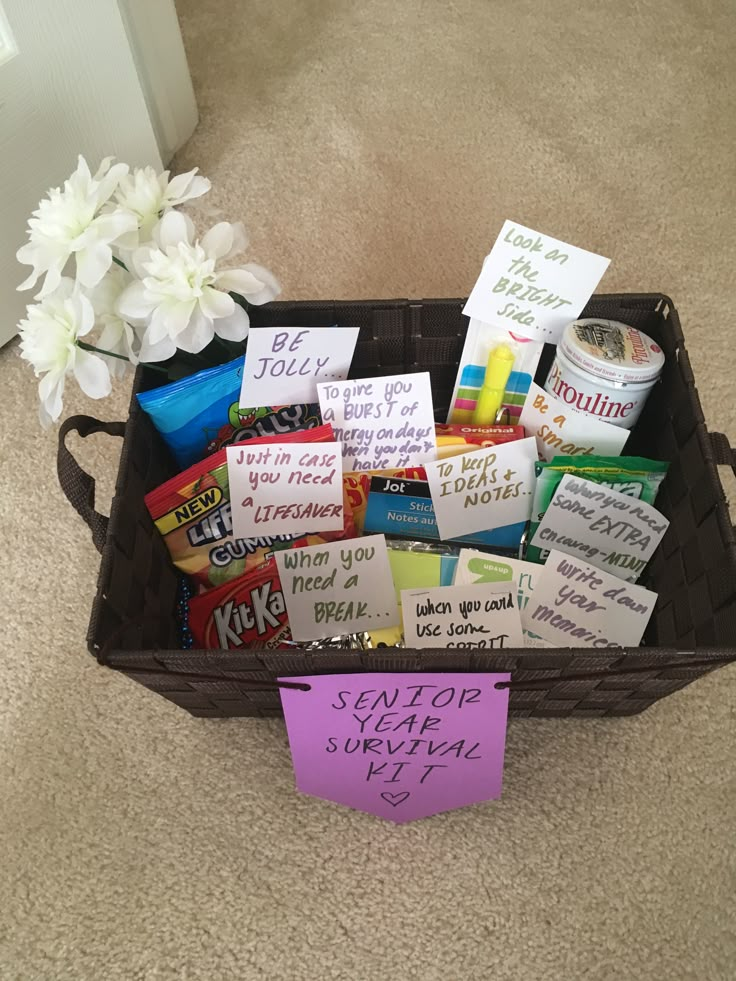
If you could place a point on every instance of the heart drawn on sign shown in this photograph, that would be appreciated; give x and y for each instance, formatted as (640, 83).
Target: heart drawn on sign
(395, 799)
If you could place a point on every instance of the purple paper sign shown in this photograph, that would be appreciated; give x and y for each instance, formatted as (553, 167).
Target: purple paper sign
(401, 746)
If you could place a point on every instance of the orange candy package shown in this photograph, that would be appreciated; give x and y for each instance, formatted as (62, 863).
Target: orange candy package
(192, 512)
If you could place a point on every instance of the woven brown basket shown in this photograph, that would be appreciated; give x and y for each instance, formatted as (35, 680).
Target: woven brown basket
(133, 627)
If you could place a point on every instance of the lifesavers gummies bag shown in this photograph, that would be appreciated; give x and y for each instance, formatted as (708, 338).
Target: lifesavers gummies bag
(192, 512)
(249, 611)
(200, 414)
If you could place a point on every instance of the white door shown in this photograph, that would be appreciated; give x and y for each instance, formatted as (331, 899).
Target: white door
(68, 85)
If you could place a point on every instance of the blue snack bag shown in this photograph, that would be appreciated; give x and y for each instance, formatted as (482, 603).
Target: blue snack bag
(200, 414)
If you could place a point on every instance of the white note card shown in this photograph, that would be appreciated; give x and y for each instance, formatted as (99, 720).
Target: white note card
(561, 431)
(480, 567)
(285, 488)
(534, 284)
(382, 423)
(337, 589)
(485, 617)
(483, 490)
(284, 364)
(608, 529)
(576, 604)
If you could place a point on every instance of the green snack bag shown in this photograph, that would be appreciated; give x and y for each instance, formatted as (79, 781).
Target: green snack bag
(634, 476)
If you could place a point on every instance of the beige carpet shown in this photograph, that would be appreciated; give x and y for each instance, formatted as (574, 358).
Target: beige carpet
(375, 148)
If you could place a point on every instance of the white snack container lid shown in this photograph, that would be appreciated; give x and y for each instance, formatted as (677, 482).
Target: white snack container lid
(612, 350)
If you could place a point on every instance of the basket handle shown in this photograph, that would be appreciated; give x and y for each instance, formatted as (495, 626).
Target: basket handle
(723, 453)
(78, 485)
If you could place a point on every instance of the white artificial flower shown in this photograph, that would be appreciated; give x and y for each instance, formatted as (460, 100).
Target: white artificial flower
(181, 294)
(117, 336)
(48, 340)
(68, 222)
(148, 195)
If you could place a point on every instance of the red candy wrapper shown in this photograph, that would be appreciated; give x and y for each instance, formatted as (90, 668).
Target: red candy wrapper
(247, 612)
(192, 512)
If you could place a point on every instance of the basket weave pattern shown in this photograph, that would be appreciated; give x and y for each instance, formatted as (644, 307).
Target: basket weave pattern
(133, 626)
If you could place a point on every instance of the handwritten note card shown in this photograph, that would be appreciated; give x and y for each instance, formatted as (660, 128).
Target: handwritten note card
(284, 364)
(604, 527)
(484, 616)
(487, 489)
(479, 567)
(340, 588)
(382, 422)
(559, 430)
(577, 605)
(400, 746)
(533, 284)
(285, 488)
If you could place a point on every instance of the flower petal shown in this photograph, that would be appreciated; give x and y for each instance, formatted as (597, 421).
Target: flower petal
(52, 280)
(32, 279)
(173, 228)
(137, 259)
(92, 374)
(82, 176)
(157, 328)
(198, 333)
(101, 170)
(135, 302)
(85, 314)
(50, 391)
(43, 416)
(218, 241)
(31, 254)
(92, 263)
(184, 187)
(110, 181)
(215, 304)
(177, 315)
(235, 327)
(129, 241)
(156, 351)
(116, 366)
(177, 185)
(268, 289)
(111, 226)
(118, 337)
(238, 281)
(240, 239)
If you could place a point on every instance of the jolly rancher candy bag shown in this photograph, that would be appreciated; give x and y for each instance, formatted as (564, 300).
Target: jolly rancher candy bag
(192, 512)
(200, 414)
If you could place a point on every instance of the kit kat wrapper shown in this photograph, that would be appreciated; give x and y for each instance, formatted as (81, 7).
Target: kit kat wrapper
(248, 611)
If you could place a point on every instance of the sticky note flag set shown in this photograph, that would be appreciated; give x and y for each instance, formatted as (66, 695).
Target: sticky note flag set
(320, 510)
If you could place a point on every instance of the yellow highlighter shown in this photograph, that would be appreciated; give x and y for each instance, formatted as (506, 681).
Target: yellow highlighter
(490, 397)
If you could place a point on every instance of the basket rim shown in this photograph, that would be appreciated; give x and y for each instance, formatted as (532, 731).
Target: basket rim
(654, 301)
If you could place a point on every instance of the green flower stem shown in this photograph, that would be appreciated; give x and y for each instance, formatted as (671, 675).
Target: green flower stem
(98, 350)
(121, 357)
(119, 262)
